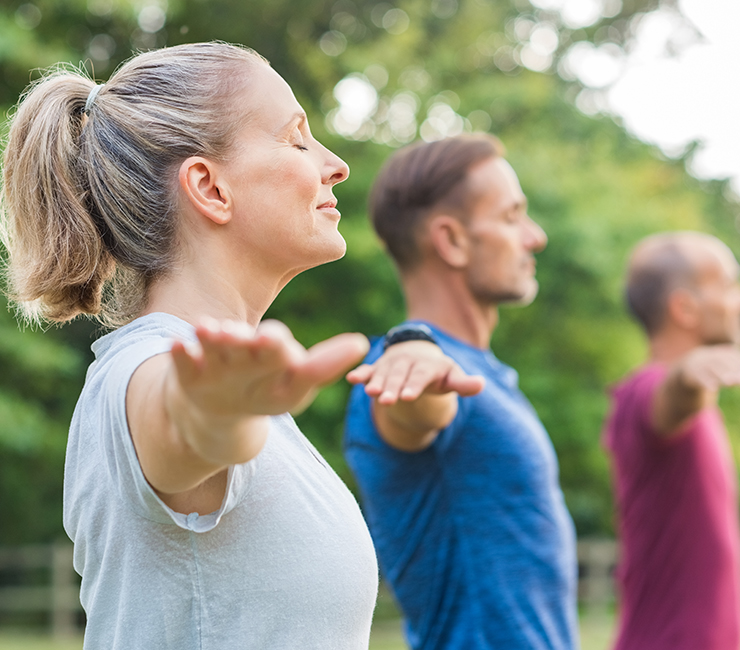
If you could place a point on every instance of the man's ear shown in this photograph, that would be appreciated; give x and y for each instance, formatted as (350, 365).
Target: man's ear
(449, 238)
(683, 309)
(201, 184)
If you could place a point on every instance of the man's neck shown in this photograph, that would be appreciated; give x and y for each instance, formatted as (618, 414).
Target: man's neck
(446, 302)
(669, 345)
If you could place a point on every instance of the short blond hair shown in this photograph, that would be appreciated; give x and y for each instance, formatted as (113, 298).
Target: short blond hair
(89, 197)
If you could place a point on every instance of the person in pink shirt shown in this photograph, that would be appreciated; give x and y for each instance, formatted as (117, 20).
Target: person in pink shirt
(675, 480)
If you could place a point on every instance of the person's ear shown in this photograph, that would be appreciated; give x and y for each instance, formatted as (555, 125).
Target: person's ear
(201, 185)
(683, 307)
(449, 238)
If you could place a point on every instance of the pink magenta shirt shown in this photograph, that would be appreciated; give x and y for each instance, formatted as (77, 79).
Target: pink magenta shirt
(678, 523)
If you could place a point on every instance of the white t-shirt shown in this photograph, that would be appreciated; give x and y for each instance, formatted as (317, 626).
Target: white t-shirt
(285, 563)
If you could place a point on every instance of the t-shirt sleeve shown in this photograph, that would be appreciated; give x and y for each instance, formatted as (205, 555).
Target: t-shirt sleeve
(644, 397)
(447, 436)
(633, 411)
(106, 405)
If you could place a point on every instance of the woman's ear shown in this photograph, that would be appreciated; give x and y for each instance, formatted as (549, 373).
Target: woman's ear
(449, 238)
(201, 184)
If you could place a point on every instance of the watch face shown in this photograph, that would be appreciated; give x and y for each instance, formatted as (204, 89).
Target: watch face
(409, 332)
(410, 327)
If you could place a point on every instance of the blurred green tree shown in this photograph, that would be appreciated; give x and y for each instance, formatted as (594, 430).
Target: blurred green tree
(373, 76)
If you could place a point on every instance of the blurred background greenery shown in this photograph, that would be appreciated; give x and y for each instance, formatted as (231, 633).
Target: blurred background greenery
(373, 76)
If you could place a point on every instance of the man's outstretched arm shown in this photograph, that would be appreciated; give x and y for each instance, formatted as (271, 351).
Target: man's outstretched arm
(414, 387)
(692, 383)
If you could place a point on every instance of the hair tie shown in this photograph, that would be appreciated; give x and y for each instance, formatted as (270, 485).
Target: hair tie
(91, 98)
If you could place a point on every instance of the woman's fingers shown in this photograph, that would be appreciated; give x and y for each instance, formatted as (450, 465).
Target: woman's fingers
(274, 348)
(327, 361)
(263, 369)
(231, 346)
(211, 338)
(186, 363)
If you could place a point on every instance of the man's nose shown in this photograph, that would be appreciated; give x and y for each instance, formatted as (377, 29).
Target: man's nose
(535, 237)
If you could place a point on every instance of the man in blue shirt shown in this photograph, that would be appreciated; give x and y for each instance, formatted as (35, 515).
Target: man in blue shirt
(457, 475)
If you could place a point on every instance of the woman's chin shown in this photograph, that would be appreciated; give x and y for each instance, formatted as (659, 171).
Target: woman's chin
(341, 249)
(329, 251)
(335, 248)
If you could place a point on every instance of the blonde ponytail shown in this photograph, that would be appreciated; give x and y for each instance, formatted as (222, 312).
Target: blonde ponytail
(89, 210)
(57, 261)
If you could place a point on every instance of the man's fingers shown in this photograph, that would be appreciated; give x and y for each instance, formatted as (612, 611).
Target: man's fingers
(439, 378)
(407, 379)
(387, 386)
(715, 366)
(728, 377)
(361, 374)
(463, 384)
(426, 376)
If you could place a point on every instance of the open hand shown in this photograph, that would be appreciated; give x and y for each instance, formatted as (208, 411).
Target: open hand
(711, 367)
(692, 384)
(236, 370)
(408, 370)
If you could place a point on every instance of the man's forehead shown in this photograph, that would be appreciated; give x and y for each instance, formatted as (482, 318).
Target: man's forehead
(705, 255)
(728, 262)
(712, 256)
(496, 178)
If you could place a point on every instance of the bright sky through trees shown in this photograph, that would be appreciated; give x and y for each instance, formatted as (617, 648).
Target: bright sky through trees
(679, 83)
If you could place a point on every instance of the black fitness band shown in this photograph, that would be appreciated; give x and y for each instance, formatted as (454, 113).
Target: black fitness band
(408, 332)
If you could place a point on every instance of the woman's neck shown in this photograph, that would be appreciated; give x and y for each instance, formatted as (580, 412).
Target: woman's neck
(199, 290)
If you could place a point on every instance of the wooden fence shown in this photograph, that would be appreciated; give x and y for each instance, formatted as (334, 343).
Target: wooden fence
(597, 561)
(58, 599)
(44, 582)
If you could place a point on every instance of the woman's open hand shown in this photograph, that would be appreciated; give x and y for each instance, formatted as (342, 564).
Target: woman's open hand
(237, 370)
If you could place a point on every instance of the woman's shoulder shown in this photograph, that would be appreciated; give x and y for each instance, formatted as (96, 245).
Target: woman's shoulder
(152, 328)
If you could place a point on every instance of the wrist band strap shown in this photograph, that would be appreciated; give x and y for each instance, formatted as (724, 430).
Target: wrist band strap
(408, 332)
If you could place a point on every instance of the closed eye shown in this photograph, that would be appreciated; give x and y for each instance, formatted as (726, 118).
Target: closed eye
(301, 147)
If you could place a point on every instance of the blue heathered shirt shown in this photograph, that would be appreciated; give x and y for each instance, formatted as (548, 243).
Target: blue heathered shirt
(472, 533)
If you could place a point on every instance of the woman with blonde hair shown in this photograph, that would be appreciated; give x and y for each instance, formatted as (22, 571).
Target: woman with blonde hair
(173, 203)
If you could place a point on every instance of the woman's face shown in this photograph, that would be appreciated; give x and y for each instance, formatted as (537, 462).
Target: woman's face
(285, 217)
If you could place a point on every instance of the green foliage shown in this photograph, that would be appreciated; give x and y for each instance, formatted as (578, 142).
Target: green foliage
(40, 379)
(594, 189)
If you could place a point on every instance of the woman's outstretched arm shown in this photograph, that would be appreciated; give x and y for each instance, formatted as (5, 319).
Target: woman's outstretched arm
(202, 407)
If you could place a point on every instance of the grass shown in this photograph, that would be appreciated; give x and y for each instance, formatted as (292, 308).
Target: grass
(596, 629)
(28, 641)
(596, 633)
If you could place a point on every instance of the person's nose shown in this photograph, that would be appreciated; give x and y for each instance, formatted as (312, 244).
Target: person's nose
(335, 169)
(535, 238)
